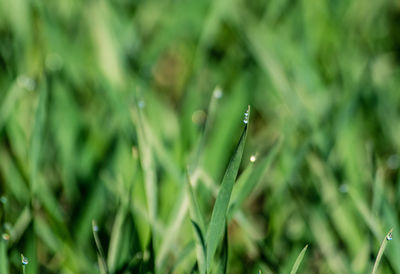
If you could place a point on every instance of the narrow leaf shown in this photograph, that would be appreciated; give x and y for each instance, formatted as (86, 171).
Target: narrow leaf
(194, 206)
(224, 253)
(116, 238)
(100, 254)
(218, 217)
(200, 248)
(387, 238)
(298, 260)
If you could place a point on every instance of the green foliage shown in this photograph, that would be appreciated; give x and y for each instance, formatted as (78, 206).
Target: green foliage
(130, 113)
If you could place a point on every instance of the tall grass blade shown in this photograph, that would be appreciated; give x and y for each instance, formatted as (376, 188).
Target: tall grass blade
(298, 260)
(387, 238)
(218, 217)
(224, 252)
(116, 238)
(200, 248)
(147, 162)
(100, 255)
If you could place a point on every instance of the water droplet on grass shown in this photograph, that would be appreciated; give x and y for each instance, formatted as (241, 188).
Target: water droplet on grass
(246, 116)
(218, 93)
(253, 158)
(389, 236)
(94, 226)
(24, 259)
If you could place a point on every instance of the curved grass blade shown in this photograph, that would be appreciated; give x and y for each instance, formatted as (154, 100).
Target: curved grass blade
(115, 240)
(298, 260)
(244, 187)
(200, 248)
(183, 204)
(194, 206)
(388, 237)
(100, 255)
(218, 217)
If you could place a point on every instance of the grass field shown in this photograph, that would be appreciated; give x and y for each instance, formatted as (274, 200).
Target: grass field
(199, 136)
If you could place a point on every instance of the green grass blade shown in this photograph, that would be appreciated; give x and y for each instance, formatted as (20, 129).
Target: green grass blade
(100, 254)
(116, 237)
(218, 217)
(147, 162)
(224, 253)
(3, 256)
(200, 248)
(244, 187)
(298, 260)
(387, 238)
(194, 206)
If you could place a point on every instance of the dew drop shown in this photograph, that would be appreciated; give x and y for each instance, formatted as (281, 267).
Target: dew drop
(246, 116)
(24, 259)
(218, 93)
(95, 226)
(389, 236)
(253, 158)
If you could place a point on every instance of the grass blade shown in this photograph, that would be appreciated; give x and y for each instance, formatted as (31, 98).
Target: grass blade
(387, 238)
(298, 260)
(147, 162)
(100, 255)
(200, 248)
(224, 253)
(218, 217)
(3, 255)
(116, 237)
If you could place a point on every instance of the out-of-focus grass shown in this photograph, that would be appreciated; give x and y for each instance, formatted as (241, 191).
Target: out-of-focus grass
(104, 105)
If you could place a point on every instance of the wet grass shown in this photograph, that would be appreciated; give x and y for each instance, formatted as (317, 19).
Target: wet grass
(123, 145)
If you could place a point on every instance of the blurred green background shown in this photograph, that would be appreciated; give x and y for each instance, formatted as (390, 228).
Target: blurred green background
(103, 105)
